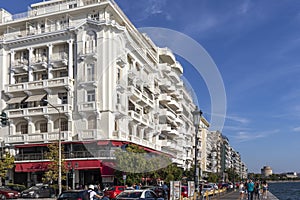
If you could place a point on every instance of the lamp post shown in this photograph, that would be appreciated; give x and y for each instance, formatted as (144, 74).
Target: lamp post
(233, 156)
(72, 169)
(196, 121)
(59, 145)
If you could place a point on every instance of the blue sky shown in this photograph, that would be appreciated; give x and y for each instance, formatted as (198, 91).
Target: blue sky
(255, 45)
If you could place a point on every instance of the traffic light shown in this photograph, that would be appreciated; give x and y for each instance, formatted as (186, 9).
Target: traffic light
(4, 118)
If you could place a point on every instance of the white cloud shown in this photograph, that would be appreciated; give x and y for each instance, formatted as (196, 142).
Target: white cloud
(145, 9)
(244, 7)
(296, 129)
(249, 136)
(238, 119)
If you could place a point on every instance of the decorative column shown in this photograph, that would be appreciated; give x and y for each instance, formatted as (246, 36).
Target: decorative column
(30, 75)
(70, 58)
(31, 126)
(11, 72)
(50, 50)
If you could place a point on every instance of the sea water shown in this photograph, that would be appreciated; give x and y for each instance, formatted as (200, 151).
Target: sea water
(285, 190)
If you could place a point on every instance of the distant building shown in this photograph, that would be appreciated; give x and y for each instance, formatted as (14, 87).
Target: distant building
(291, 175)
(266, 171)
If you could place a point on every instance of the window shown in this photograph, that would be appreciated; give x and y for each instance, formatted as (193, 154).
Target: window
(94, 16)
(72, 5)
(116, 125)
(63, 97)
(91, 72)
(24, 128)
(63, 74)
(91, 95)
(119, 74)
(64, 125)
(43, 127)
(90, 43)
(92, 122)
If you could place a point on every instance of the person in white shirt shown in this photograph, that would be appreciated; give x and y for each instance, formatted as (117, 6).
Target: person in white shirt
(241, 190)
(92, 193)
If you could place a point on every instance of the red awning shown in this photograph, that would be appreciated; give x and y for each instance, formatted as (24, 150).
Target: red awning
(107, 169)
(31, 167)
(43, 166)
(117, 143)
(106, 142)
(85, 164)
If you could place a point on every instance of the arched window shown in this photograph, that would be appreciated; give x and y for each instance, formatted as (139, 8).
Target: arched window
(22, 128)
(90, 42)
(92, 122)
(42, 126)
(63, 124)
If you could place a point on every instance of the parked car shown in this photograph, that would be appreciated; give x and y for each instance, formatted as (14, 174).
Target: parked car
(184, 191)
(158, 190)
(207, 187)
(16, 187)
(215, 186)
(6, 193)
(113, 191)
(38, 192)
(138, 195)
(72, 195)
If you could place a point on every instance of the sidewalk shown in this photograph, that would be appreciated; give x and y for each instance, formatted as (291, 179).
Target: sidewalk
(235, 195)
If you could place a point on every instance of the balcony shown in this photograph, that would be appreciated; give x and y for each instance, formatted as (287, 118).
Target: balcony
(166, 55)
(88, 106)
(59, 59)
(178, 67)
(143, 142)
(174, 105)
(38, 137)
(165, 67)
(175, 77)
(35, 111)
(138, 97)
(169, 144)
(20, 64)
(133, 73)
(143, 120)
(121, 86)
(41, 84)
(89, 134)
(100, 154)
(39, 62)
(88, 54)
(120, 111)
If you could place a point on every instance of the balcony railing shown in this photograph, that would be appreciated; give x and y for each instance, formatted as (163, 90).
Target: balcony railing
(48, 9)
(38, 137)
(41, 84)
(100, 154)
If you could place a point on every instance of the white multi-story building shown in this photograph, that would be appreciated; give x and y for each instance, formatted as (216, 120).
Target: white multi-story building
(81, 70)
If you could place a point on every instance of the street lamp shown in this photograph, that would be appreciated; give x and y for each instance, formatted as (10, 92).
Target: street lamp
(72, 172)
(233, 156)
(59, 144)
(196, 121)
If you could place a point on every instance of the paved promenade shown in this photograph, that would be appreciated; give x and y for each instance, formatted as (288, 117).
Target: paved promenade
(235, 195)
(226, 196)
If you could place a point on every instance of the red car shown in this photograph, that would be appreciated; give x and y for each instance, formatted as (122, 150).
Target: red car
(184, 191)
(113, 191)
(6, 193)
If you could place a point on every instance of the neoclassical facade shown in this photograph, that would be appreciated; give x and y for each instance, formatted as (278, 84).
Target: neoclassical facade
(79, 70)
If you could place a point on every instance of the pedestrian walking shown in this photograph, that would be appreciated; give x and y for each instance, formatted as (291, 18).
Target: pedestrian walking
(257, 190)
(241, 190)
(250, 188)
(265, 190)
